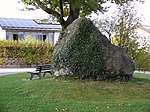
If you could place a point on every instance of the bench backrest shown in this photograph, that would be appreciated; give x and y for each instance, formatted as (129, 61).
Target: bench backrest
(43, 67)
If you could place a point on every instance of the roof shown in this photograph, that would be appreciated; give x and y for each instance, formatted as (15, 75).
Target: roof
(145, 28)
(26, 24)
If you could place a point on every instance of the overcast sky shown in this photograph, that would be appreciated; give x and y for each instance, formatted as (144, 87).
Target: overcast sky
(10, 8)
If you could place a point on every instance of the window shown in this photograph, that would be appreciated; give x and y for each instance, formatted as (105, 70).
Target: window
(8, 35)
(27, 36)
(34, 35)
(20, 35)
(40, 36)
(51, 38)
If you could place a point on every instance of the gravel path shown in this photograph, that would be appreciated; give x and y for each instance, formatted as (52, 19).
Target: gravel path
(8, 71)
(146, 72)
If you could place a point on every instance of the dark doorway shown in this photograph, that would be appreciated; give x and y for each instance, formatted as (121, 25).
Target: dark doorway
(15, 37)
(44, 37)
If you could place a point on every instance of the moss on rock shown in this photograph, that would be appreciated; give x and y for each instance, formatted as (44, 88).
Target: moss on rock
(84, 52)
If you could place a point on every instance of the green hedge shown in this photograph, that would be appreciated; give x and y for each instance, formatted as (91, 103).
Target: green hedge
(142, 61)
(27, 53)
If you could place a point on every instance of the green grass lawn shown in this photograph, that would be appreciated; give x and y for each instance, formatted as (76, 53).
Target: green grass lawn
(17, 94)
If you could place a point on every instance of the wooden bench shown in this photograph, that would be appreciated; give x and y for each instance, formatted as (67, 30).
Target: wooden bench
(46, 68)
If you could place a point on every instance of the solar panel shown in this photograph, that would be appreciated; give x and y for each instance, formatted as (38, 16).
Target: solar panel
(24, 23)
(51, 26)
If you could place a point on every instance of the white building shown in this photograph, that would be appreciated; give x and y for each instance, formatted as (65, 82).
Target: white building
(21, 29)
(144, 34)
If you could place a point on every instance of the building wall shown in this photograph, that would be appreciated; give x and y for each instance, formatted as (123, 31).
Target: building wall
(56, 36)
(2, 34)
(144, 37)
(51, 36)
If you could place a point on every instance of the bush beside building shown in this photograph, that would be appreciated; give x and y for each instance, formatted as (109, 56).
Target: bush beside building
(24, 54)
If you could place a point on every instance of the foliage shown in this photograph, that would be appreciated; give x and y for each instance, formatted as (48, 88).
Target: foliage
(121, 28)
(29, 53)
(70, 9)
(126, 25)
(127, 38)
(139, 54)
(106, 25)
(143, 61)
(67, 95)
(1, 61)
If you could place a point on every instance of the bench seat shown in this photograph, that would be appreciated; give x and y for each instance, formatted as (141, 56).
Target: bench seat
(41, 69)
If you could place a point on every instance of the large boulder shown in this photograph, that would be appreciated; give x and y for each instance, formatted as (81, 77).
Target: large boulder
(84, 52)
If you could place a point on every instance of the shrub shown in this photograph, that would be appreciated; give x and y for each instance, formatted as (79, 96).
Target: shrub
(143, 61)
(26, 53)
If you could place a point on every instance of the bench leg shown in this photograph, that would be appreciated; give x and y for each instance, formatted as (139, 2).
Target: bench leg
(39, 74)
(44, 74)
(47, 72)
(50, 73)
(31, 76)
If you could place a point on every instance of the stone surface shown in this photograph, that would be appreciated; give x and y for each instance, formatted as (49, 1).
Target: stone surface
(82, 51)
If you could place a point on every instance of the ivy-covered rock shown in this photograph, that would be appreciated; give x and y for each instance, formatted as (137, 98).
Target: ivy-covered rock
(83, 52)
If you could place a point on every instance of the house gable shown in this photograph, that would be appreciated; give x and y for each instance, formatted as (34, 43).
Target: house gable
(18, 29)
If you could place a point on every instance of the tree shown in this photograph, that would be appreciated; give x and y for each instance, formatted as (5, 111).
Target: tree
(121, 29)
(143, 61)
(125, 27)
(66, 11)
(106, 25)
(127, 38)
